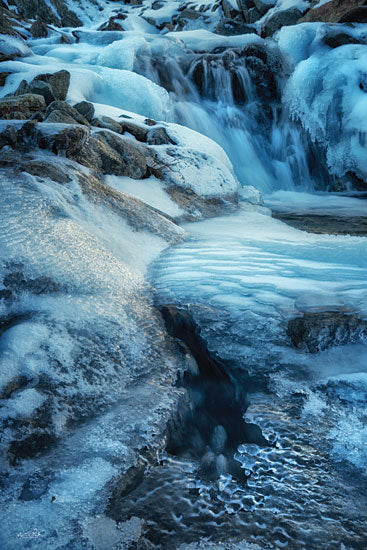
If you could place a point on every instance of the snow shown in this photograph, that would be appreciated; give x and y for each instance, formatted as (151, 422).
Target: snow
(150, 191)
(13, 46)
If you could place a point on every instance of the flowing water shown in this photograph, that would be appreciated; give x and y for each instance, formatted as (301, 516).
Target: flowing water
(276, 454)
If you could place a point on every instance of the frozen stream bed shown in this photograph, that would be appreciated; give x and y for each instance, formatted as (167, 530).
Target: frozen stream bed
(243, 278)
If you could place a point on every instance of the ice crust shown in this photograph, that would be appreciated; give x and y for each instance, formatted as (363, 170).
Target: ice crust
(326, 92)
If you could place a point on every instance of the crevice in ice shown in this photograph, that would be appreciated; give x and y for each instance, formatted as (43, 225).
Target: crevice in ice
(209, 425)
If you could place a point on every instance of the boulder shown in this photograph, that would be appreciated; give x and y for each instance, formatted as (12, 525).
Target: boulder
(281, 19)
(41, 88)
(59, 117)
(139, 132)
(69, 113)
(54, 12)
(86, 109)
(58, 81)
(108, 123)
(315, 332)
(21, 106)
(111, 25)
(38, 29)
(336, 40)
(333, 12)
(356, 15)
(120, 156)
(253, 15)
(159, 136)
(264, 6)
(229, 11)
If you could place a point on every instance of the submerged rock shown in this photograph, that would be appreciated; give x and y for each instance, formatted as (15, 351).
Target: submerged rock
(318, 331)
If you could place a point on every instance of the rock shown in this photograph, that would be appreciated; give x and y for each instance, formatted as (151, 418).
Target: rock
(253, 15)
(64, 39)
(111, 25)
(40, 117)
(318, 331)
(55, 13)
(25, 105)
(12, 47)
(137, 131)
(332, 12)
(41, 88)
(86, 109)
(8, 137)
(45, 169)
(58, 81)
(18, 282)
(281, 19)
(108, 123)
(119, 156)
(356, 15)
(60, 117)
(159, 136)
(229, 11)
(229, 27)
(3, 77)
(69, 112)
(38, 29)
(68, 141)
(264, 6)
(22, 88)
(340, 39)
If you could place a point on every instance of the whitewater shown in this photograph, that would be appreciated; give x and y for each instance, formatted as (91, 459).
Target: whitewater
(296, 469)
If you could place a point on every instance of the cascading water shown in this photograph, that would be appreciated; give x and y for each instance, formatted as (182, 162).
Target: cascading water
(215, 95)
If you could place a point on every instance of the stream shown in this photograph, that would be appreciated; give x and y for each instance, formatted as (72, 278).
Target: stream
(269, 444)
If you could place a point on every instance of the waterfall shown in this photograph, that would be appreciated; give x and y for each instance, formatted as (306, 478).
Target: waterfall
(215, 95)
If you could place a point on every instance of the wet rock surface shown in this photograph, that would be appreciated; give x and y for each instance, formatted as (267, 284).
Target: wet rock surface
(325, 224)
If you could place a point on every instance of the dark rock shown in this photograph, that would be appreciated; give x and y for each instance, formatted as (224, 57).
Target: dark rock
(3, 77)
(281, 19)
(68, 111)
(58, 81)
(31, 445)
(38, 29)
(40, 117)
(135, 130)
(322, 224)
(68, 141)
(159, 136)
(26, 105)
(228, 10)
(340, 39)
(318, 331)
(41, 88)
(45, 169)
(60, 117)
(149, 122)
(253, 15)
(64, 39)
(60, 16)
(264, 5)
(86, 109)
(356, 15)
(111, 25)
(108, 123)
(22, 88)
(120, 156)
(8, 137)
(230, 27)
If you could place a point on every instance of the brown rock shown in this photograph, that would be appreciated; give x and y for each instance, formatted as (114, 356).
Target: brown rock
(332, 12)
(58, 81)
(45, 170)
(26, 105)
(69, 112)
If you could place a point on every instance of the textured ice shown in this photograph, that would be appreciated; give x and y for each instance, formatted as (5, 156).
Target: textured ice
(202, 40)
(333, 102)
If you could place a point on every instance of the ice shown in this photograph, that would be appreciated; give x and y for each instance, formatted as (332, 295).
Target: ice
(13, 46)
(333, 100)
(321, 204)
(201, 40)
